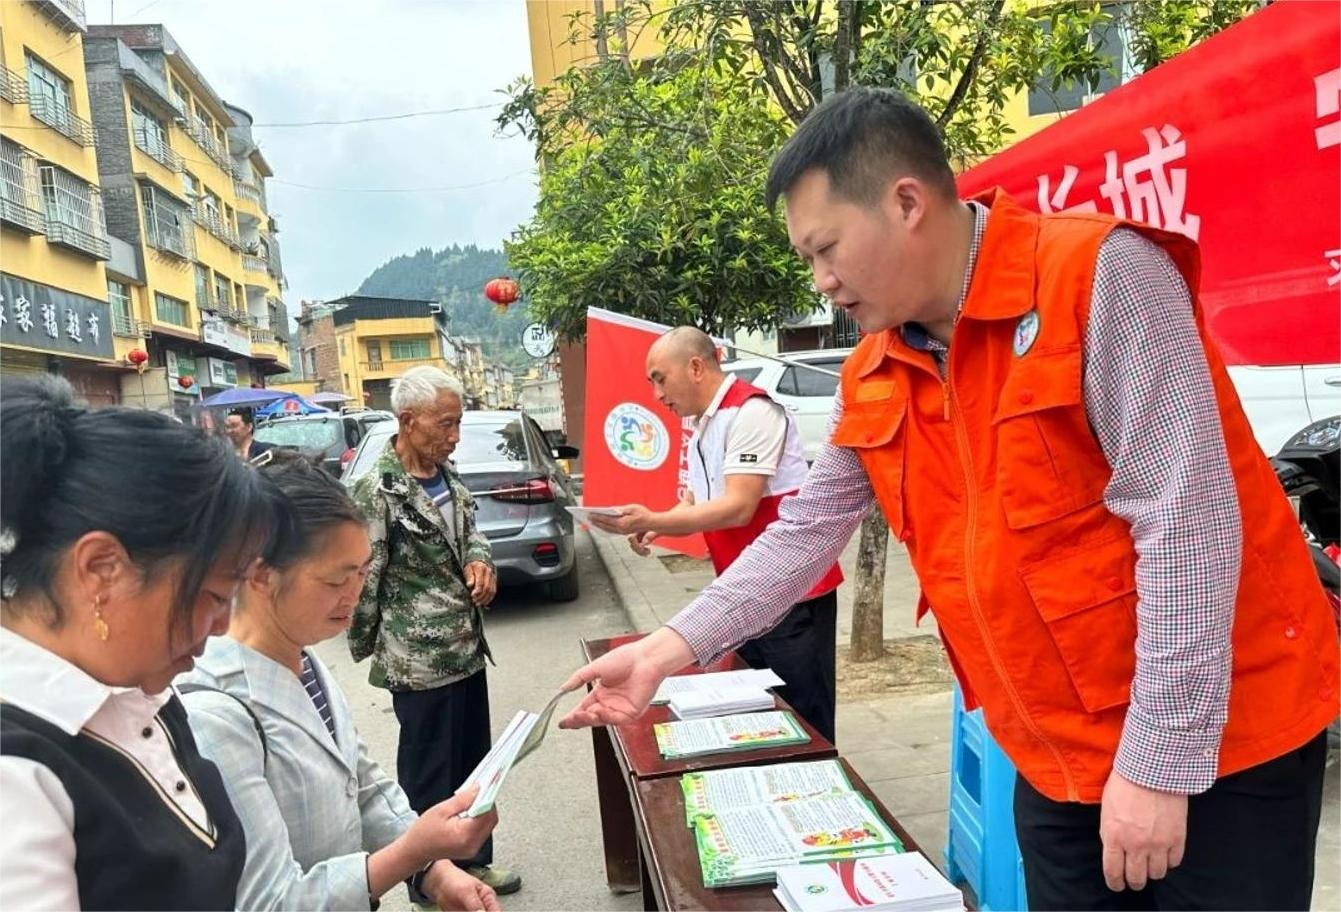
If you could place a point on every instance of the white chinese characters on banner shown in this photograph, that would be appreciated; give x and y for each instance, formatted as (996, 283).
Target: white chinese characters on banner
(1146, 188)
(682, 485)
(49, 322)
(94, 328)
(1333, 258)
(72, 328)
(1327, 90)
(23, 313)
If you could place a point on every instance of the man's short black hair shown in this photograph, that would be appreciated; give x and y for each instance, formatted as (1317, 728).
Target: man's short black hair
(862, 138)
(245, 415)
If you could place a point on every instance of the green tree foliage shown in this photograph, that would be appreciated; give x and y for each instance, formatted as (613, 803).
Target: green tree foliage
(651, 197)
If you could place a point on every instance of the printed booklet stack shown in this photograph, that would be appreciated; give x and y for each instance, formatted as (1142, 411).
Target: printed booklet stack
(750, 822)
(725, 734)
(893, 883)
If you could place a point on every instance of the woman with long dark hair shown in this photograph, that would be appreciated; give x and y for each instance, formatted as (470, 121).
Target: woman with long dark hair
(124, 537)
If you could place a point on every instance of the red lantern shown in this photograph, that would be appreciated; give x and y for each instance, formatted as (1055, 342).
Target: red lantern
(137, 356)
(186, 382)
(502, 291)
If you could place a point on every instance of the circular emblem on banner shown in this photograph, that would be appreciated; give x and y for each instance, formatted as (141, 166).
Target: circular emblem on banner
(1026, 331)
(636, 437)
(816, 889)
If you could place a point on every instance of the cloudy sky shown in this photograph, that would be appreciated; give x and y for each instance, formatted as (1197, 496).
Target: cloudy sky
(304, 60)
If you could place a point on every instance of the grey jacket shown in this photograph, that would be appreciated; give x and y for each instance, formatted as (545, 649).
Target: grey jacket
(311, 807)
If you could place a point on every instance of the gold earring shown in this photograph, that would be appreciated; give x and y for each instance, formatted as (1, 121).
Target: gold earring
(100, 625)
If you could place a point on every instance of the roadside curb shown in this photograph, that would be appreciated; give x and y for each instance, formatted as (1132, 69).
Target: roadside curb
(632, 598)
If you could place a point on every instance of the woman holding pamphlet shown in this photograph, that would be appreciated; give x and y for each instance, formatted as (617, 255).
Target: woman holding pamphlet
(325, 827)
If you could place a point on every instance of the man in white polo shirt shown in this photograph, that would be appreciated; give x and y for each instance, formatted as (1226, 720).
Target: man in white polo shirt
(745, 457)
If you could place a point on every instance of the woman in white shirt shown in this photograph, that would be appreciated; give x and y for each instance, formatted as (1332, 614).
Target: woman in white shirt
(326, 827)
(124, 536)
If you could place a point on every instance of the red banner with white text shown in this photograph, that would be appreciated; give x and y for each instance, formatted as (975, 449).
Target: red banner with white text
(1235, 143)
(636, 449)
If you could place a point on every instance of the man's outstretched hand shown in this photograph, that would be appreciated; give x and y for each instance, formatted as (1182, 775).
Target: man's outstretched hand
(625, 678)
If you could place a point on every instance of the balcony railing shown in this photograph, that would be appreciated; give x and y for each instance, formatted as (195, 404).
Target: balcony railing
(213, 222)
(156, 147)
(262, 335)
(62, 119)
(171, 238)
(248, 191)
(253, 263)
(68, 14)
(210, 144)
(13, 88)
(19, 202)
(129, 327)
(398, 364)
(74, 214)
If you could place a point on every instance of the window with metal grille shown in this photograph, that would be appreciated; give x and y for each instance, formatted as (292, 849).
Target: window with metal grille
(123, 320)
(151, 136)
(407, 349)
(74, 212)
(223, 292)
(167, 223)
(846, 333)
(18, 180)
(48, 91)
(182, 98)
(171, 310)
(203, 299)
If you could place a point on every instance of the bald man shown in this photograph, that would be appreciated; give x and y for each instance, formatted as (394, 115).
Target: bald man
(745, 457)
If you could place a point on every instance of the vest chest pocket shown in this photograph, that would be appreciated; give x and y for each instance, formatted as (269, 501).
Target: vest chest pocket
(875, 432)
(1088, 602)
(1048, 462)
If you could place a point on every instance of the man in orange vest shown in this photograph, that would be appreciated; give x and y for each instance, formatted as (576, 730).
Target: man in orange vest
(745, 458)
(1118, 579)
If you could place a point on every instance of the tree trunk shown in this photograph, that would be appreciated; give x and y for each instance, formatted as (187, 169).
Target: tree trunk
(868, 602)
(842, 45)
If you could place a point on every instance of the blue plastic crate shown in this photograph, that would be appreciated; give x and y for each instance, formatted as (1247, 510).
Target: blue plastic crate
(981, 850)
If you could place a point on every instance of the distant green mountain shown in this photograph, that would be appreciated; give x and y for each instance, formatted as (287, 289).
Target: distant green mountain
(455, 276)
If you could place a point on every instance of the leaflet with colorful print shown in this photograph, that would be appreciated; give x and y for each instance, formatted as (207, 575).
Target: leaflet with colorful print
(747, 731)
(749, 845)
(714, 791)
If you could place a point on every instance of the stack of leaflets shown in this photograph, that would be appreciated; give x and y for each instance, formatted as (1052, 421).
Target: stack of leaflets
(890, 883)
(748, 731)
(523, 735)
(707, 702)
(759, 678)
(714, 791)
(749, 845)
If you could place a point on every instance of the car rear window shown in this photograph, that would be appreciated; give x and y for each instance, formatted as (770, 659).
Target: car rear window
(304, 435)
(491, 442)
(744, 373)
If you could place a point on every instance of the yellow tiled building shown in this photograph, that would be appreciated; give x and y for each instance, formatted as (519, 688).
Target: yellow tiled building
(132, 184)
(53, 243)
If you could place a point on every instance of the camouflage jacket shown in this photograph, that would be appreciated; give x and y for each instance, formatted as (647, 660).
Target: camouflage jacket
(415, 617)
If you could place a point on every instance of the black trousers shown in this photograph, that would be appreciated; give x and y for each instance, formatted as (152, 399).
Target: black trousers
(801, 650)
(1251, 838)
(444, 734)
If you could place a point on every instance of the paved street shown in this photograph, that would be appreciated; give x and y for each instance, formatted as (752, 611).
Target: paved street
(549, 831)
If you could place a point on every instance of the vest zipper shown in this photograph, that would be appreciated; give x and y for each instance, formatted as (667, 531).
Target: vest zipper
(966, 463)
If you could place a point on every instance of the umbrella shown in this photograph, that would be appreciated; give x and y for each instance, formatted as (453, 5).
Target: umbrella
(243, 397)
(291, 404)
(329, 398)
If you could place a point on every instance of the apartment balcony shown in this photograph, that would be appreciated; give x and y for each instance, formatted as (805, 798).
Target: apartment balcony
(262, 335)
(390, 369)
(19, 202)
(253, 263)
(62, 120)
(213, 222)
(157, 148)
(248, 191)
(68, 14)
(130, 328)
(13, 88)
(171, 239)
(210, 145)
(74, 214)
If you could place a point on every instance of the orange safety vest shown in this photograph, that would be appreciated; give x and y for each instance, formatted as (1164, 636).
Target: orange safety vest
(994, 481)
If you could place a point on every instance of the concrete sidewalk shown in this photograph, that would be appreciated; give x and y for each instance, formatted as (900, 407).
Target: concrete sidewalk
(899, 743)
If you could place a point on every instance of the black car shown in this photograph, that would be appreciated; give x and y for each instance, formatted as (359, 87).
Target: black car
(330, 437)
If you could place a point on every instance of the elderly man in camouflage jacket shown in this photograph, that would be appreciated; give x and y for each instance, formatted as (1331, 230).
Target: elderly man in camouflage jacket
(421, 613)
